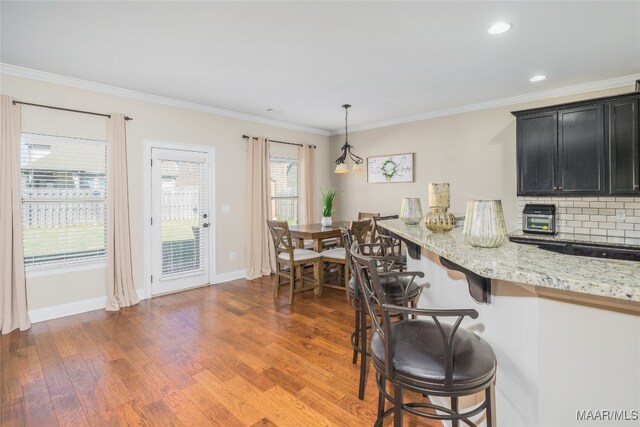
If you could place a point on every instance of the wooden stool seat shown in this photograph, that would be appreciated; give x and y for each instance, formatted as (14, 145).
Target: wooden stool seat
(300, 255)
(335, 254)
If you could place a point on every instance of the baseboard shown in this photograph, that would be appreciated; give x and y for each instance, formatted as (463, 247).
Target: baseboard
(71, 308)
(64, 310)
(232, 275)
(77, 307)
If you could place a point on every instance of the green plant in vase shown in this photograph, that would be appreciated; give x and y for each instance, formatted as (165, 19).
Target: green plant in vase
(328, 200)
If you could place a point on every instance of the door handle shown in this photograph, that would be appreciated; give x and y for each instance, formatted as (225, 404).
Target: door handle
(205, 225)
(636, 187)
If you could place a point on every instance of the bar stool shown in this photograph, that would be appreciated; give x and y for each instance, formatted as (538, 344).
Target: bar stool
(390, 244)
(399, 289)
(429, 357)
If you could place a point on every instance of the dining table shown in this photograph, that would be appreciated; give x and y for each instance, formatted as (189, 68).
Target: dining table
(316, 232)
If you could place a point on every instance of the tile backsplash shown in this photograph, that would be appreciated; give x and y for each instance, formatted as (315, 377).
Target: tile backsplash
(597, 216)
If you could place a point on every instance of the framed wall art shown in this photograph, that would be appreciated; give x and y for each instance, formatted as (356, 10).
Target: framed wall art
(391, 168)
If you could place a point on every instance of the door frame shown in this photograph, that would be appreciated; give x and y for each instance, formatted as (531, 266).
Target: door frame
(150, 144)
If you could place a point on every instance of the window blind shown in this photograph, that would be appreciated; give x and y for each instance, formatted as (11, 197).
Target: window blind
(63, 199)
(284, 189)
(183, 205)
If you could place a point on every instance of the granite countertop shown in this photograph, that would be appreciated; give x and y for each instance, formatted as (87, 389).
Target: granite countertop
(630, 242)
(529, 264)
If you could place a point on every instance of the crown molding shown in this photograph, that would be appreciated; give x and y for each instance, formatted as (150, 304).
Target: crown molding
(501, 102)
(28, 73)
(141, 96)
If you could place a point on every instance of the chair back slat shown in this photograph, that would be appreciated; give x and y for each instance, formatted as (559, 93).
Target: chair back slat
(360, 230)
(367, 215)
(372, 216)
(281, 237)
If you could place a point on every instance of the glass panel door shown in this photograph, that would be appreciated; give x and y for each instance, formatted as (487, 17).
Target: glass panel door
(181, 224)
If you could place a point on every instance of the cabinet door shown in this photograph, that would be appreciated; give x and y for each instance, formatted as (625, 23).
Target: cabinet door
(537, 151)
(581, 150)
(624, 160)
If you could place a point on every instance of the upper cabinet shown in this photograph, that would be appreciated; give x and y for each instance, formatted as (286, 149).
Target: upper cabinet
(624, 146)
(583, 148)
(537, 153)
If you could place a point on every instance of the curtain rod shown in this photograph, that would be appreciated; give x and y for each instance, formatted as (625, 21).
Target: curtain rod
(68, 109)
(278, 142)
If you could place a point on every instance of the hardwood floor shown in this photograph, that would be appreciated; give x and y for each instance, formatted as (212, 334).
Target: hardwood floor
(225, 355)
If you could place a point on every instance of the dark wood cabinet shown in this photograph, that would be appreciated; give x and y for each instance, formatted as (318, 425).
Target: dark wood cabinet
(582, 148)
(537, 153)
(624, 147)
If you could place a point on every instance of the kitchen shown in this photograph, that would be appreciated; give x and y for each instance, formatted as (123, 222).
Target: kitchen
(558, 301)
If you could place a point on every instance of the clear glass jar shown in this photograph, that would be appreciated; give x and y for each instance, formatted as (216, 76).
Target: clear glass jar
(484, 224)
(411, 211)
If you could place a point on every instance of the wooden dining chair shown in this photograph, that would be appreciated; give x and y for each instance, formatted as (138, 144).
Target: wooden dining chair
(371, 238)
(338, 256)
(291, 261)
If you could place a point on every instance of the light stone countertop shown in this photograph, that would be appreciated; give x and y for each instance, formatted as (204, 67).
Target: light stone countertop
(528, 264)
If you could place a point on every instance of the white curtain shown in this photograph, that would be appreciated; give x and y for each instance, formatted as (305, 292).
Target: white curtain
(121, 291)
(307, 196)
(260, 256)
(13, 287)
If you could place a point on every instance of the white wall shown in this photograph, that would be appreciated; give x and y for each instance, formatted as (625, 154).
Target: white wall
(156, 122)
(475, 152)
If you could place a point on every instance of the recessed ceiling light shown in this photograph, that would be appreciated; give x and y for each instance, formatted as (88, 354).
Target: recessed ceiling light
(537, 78)
(499, 28)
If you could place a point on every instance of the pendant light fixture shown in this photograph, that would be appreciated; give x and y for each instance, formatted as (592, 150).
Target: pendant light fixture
(341, 166)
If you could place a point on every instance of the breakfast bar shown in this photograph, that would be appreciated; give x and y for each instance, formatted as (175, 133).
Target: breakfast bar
(565, 329)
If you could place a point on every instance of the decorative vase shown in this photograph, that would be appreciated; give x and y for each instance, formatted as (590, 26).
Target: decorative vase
(326, 221)
(484, 224)
(411, 211)
(439, 218)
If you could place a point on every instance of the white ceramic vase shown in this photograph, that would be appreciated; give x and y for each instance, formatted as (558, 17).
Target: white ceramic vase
(326, 221)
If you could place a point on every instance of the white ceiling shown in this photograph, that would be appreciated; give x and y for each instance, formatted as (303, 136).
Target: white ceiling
(305, 59)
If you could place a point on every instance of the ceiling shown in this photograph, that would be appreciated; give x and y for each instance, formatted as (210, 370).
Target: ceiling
(305, 59)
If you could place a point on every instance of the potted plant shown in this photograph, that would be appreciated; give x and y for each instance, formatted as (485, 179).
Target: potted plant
(328, 199)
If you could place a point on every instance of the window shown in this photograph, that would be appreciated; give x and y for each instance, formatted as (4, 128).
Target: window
(63, 199)
(284, 189)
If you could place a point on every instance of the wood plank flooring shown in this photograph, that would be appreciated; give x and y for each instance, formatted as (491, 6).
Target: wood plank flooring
(224, 355)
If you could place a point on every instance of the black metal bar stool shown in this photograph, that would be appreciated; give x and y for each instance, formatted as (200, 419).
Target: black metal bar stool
(428, 357)
(399, 290)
